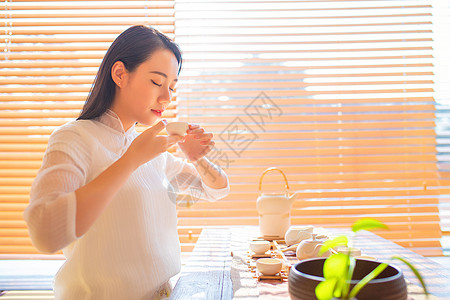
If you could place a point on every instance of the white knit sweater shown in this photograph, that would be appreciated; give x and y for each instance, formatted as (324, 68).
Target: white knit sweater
(132, 248)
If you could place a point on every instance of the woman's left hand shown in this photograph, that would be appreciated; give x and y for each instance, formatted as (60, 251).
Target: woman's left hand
(197, 143)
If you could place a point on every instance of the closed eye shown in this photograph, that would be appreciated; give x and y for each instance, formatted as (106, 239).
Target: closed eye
(160, 85)
(156, 84)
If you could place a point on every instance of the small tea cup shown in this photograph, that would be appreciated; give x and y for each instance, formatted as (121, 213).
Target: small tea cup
(269, 266)
(260, 247)
(352, 251)
(177, 128)
(366, 257)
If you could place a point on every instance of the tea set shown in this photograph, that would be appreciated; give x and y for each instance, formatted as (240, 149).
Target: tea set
(304, 243)
(274, 211)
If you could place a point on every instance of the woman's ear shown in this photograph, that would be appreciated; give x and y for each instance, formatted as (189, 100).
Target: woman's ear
(119, 74)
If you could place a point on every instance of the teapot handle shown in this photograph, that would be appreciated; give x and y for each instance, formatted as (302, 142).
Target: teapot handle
(274, 169)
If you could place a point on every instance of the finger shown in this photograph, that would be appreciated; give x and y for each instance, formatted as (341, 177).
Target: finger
(158, 127)
(193, 127)
(208, 142)
(197, 131)
(204, 137)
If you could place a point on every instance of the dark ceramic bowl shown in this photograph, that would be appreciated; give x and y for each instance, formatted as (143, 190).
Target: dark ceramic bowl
(306, 275)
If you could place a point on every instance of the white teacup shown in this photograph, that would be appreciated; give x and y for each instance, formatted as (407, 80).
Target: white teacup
(260, 247)
(269, 266)
(177, 128)
(352, 251)
(366, 257)
(296, 234)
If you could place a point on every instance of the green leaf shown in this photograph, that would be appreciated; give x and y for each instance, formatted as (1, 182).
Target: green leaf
(325, 289)
(341, 240)
(339, 289)
(367, 224)
(422, 282)
(335, 266)
(380, 268)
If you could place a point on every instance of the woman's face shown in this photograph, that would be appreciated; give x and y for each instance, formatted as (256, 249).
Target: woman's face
(147, 91)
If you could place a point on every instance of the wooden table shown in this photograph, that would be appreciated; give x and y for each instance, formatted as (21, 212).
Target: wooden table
(208, 272)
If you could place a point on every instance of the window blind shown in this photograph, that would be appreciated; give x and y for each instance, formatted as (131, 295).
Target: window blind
(51, 53)
(337, 94)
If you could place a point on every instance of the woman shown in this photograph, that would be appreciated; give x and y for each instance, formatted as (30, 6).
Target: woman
(102, 195)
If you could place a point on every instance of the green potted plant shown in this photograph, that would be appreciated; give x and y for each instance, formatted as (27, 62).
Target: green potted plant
(341, 276)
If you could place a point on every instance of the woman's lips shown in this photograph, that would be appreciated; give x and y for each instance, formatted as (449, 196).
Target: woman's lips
(158, 113)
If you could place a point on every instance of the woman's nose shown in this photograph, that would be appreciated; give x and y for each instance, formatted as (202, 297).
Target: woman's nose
(166, 96)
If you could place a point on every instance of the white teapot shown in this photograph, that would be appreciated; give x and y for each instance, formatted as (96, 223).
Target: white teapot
(310, 248)
(296, 234)
(274, 209)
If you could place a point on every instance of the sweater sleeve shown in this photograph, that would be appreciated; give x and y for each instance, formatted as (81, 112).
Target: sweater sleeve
(184, 179)
(51, 214)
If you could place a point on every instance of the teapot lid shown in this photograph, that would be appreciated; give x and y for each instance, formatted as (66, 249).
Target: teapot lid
(313, 239)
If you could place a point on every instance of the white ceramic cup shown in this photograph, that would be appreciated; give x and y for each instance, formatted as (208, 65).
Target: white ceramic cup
(177, 128)
(269, 266)
(366, 257)
(260, 247)
(349, 251)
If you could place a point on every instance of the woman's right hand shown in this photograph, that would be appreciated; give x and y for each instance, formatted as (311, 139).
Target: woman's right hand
(149, 144)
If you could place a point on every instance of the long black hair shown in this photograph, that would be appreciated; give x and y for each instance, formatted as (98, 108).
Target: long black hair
(132, 47)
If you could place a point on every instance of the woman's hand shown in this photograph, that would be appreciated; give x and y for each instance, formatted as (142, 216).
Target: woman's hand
(149, 144)
(197, 143)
